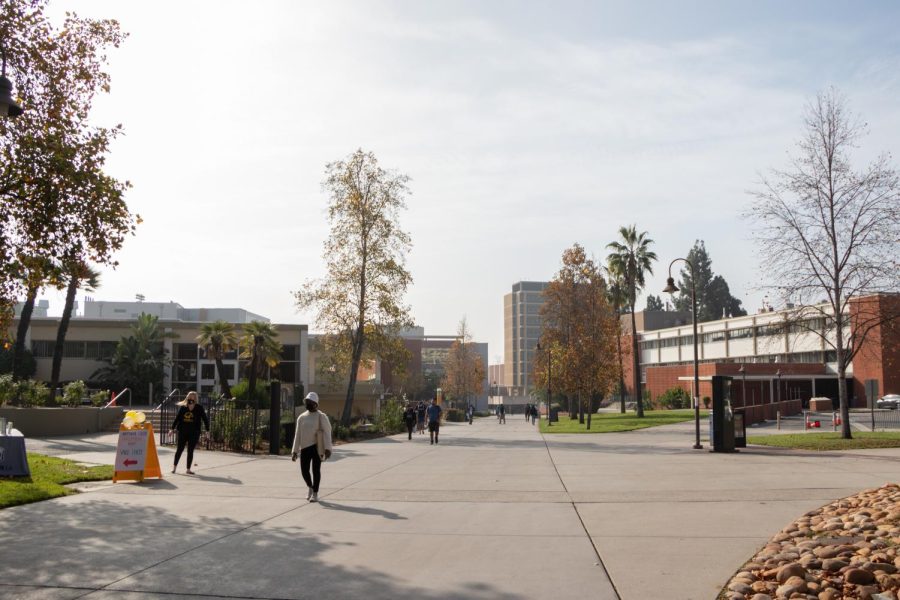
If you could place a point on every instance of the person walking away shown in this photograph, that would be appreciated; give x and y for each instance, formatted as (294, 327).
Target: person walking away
(312, 443)
(527, 412)
(409, 417)
(471, 414)
(502, 414)
(535, 417)
(434, 420)
(420, 417)
(190, 419)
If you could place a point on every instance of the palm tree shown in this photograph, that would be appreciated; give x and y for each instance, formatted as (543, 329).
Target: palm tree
(77, 274)
(615, 292)
(218, 338)
(633, 258)
(140, 359)
(35, 272)
(261, 349)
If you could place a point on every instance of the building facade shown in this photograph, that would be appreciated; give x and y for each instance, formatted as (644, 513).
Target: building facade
(521, 332)
(93, 336)
(776, 355)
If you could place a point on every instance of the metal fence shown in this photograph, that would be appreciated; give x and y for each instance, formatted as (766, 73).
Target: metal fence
(880, 419)
(231, 428)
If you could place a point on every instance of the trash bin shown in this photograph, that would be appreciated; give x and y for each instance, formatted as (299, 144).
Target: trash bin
(554, 414)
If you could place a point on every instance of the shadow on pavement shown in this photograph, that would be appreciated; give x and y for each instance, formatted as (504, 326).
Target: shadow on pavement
(361, 510)
(98, 543)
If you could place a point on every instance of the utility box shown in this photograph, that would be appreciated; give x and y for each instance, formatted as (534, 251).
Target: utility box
(721, 420)
(740, 429)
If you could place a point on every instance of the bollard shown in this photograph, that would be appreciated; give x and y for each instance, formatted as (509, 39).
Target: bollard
(778, 419)
(834, 421)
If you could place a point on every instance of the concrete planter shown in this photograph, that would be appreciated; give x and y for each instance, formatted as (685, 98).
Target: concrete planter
(43, 422)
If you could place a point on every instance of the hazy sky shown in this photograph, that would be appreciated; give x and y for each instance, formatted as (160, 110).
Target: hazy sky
(525, 127)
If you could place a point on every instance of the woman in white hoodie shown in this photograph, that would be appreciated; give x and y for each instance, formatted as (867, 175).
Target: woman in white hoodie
(309, 425)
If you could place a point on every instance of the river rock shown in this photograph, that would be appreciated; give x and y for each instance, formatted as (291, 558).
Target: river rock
(858, 576)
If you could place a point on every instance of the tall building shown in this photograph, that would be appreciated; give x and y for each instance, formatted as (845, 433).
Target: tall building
(521, 331)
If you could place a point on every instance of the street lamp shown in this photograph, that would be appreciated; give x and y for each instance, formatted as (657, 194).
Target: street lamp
(743, 373)
(549, 421)
(671, 288)
(8, 106)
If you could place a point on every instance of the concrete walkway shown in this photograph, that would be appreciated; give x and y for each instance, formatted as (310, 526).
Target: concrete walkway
(494, 511)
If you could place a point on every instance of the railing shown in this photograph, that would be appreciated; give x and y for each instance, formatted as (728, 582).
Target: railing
(115, 398)
(168, 398)
(881, 419)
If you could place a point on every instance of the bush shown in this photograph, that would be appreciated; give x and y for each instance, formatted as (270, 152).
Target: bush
(455, 415)
(233, 428)
(7, 389)
(706, 401)
(99, 398)
(73, 393)
(674, 398)
(390, 420)
(240, 392)
(33, 393)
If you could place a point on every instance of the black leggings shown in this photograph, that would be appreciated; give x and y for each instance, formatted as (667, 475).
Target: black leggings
(189, 439)
(409, 427)
(308, 455)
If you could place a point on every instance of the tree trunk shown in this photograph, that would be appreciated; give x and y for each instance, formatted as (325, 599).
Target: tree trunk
(24, 323)
(621, 367)
(351, 385)
(223, 379)
(61, 335)
(636, 361)
(580, 410)
(251, 377)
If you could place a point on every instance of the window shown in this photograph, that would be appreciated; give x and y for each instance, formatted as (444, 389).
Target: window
(687, 340)
(207, 371)
(740, 334)
(185, 351)
(42, 349)
(290, 352)
(649, 345)
(769, 330)
(73, 350)
(668, 342)
(713, 336)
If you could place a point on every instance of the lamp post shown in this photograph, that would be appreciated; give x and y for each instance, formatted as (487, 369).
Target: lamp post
(671, 288)
(743, 373)
(549, 421)
(8, 106)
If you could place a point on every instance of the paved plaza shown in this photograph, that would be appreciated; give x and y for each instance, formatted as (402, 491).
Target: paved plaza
(493, 511)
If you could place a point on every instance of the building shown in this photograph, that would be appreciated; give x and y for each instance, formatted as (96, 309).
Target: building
(773, 355)
(521, 332)
(93, 336)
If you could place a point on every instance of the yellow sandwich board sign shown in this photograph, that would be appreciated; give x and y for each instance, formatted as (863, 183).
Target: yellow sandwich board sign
(136, 457)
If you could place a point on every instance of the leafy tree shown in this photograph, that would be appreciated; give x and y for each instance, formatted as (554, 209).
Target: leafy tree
(139, 360)
(360, 301)
(714, 299)
(57, 204)
(219, 338)
(77, 274)
(654, 303)
(261, 349)
(464, 370)
(826, 229)
(580, 332)
(34, 272)
(632, 258)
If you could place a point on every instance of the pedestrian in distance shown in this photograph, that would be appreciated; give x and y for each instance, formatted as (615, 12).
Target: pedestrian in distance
(471, 414)
(188, 423)
(535, 416)
(312, 443)
(420, 417)
(409, 417)
(502, 414)
(527, 413)
(434, 420)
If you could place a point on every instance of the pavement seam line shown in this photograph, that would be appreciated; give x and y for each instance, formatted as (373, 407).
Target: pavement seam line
(580, 520)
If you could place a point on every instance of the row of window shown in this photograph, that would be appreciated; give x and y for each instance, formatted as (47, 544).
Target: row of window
(817, 357)
(807, 325)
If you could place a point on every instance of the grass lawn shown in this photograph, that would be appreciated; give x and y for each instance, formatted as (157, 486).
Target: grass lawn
(48, 476)
(829, 440)
(611, 422)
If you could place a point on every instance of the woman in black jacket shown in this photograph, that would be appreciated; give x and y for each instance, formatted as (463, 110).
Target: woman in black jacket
(188, 426)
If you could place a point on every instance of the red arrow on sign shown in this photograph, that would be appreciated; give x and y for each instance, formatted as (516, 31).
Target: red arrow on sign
(129, 462)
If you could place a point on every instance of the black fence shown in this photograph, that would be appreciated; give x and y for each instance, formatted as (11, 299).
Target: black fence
(232, 427)
(880, 419)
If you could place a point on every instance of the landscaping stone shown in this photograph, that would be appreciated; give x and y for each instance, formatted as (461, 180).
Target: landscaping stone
(847, 549)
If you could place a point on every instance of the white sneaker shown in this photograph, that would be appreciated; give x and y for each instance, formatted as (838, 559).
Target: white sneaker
(314, 497)
(309, 493)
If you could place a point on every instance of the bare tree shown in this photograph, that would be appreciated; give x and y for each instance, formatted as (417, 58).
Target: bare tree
(464, 374)
(828, 233)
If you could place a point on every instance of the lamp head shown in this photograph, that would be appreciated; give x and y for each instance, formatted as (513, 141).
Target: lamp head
(670, 288)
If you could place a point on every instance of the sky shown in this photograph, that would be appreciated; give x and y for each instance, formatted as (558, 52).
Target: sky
(525, 127)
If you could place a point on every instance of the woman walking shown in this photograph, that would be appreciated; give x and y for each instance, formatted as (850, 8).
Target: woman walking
(312, 440)
(409, 417)
(188, 423)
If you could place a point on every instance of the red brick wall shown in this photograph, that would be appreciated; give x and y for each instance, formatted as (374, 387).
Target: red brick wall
(879, 355)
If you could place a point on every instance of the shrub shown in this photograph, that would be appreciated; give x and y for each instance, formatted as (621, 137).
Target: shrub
(240, 392)
(455, 415)
(100, 398)
(233, 428)
(73, 393)
(674, 398)
(7, 389)
(706, 401)
(33, 393)
(390, 420)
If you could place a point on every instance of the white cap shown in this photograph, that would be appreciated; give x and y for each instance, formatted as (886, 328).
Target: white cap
(313, 397)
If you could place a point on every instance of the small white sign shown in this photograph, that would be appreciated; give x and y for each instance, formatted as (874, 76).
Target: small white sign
(131, 451)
